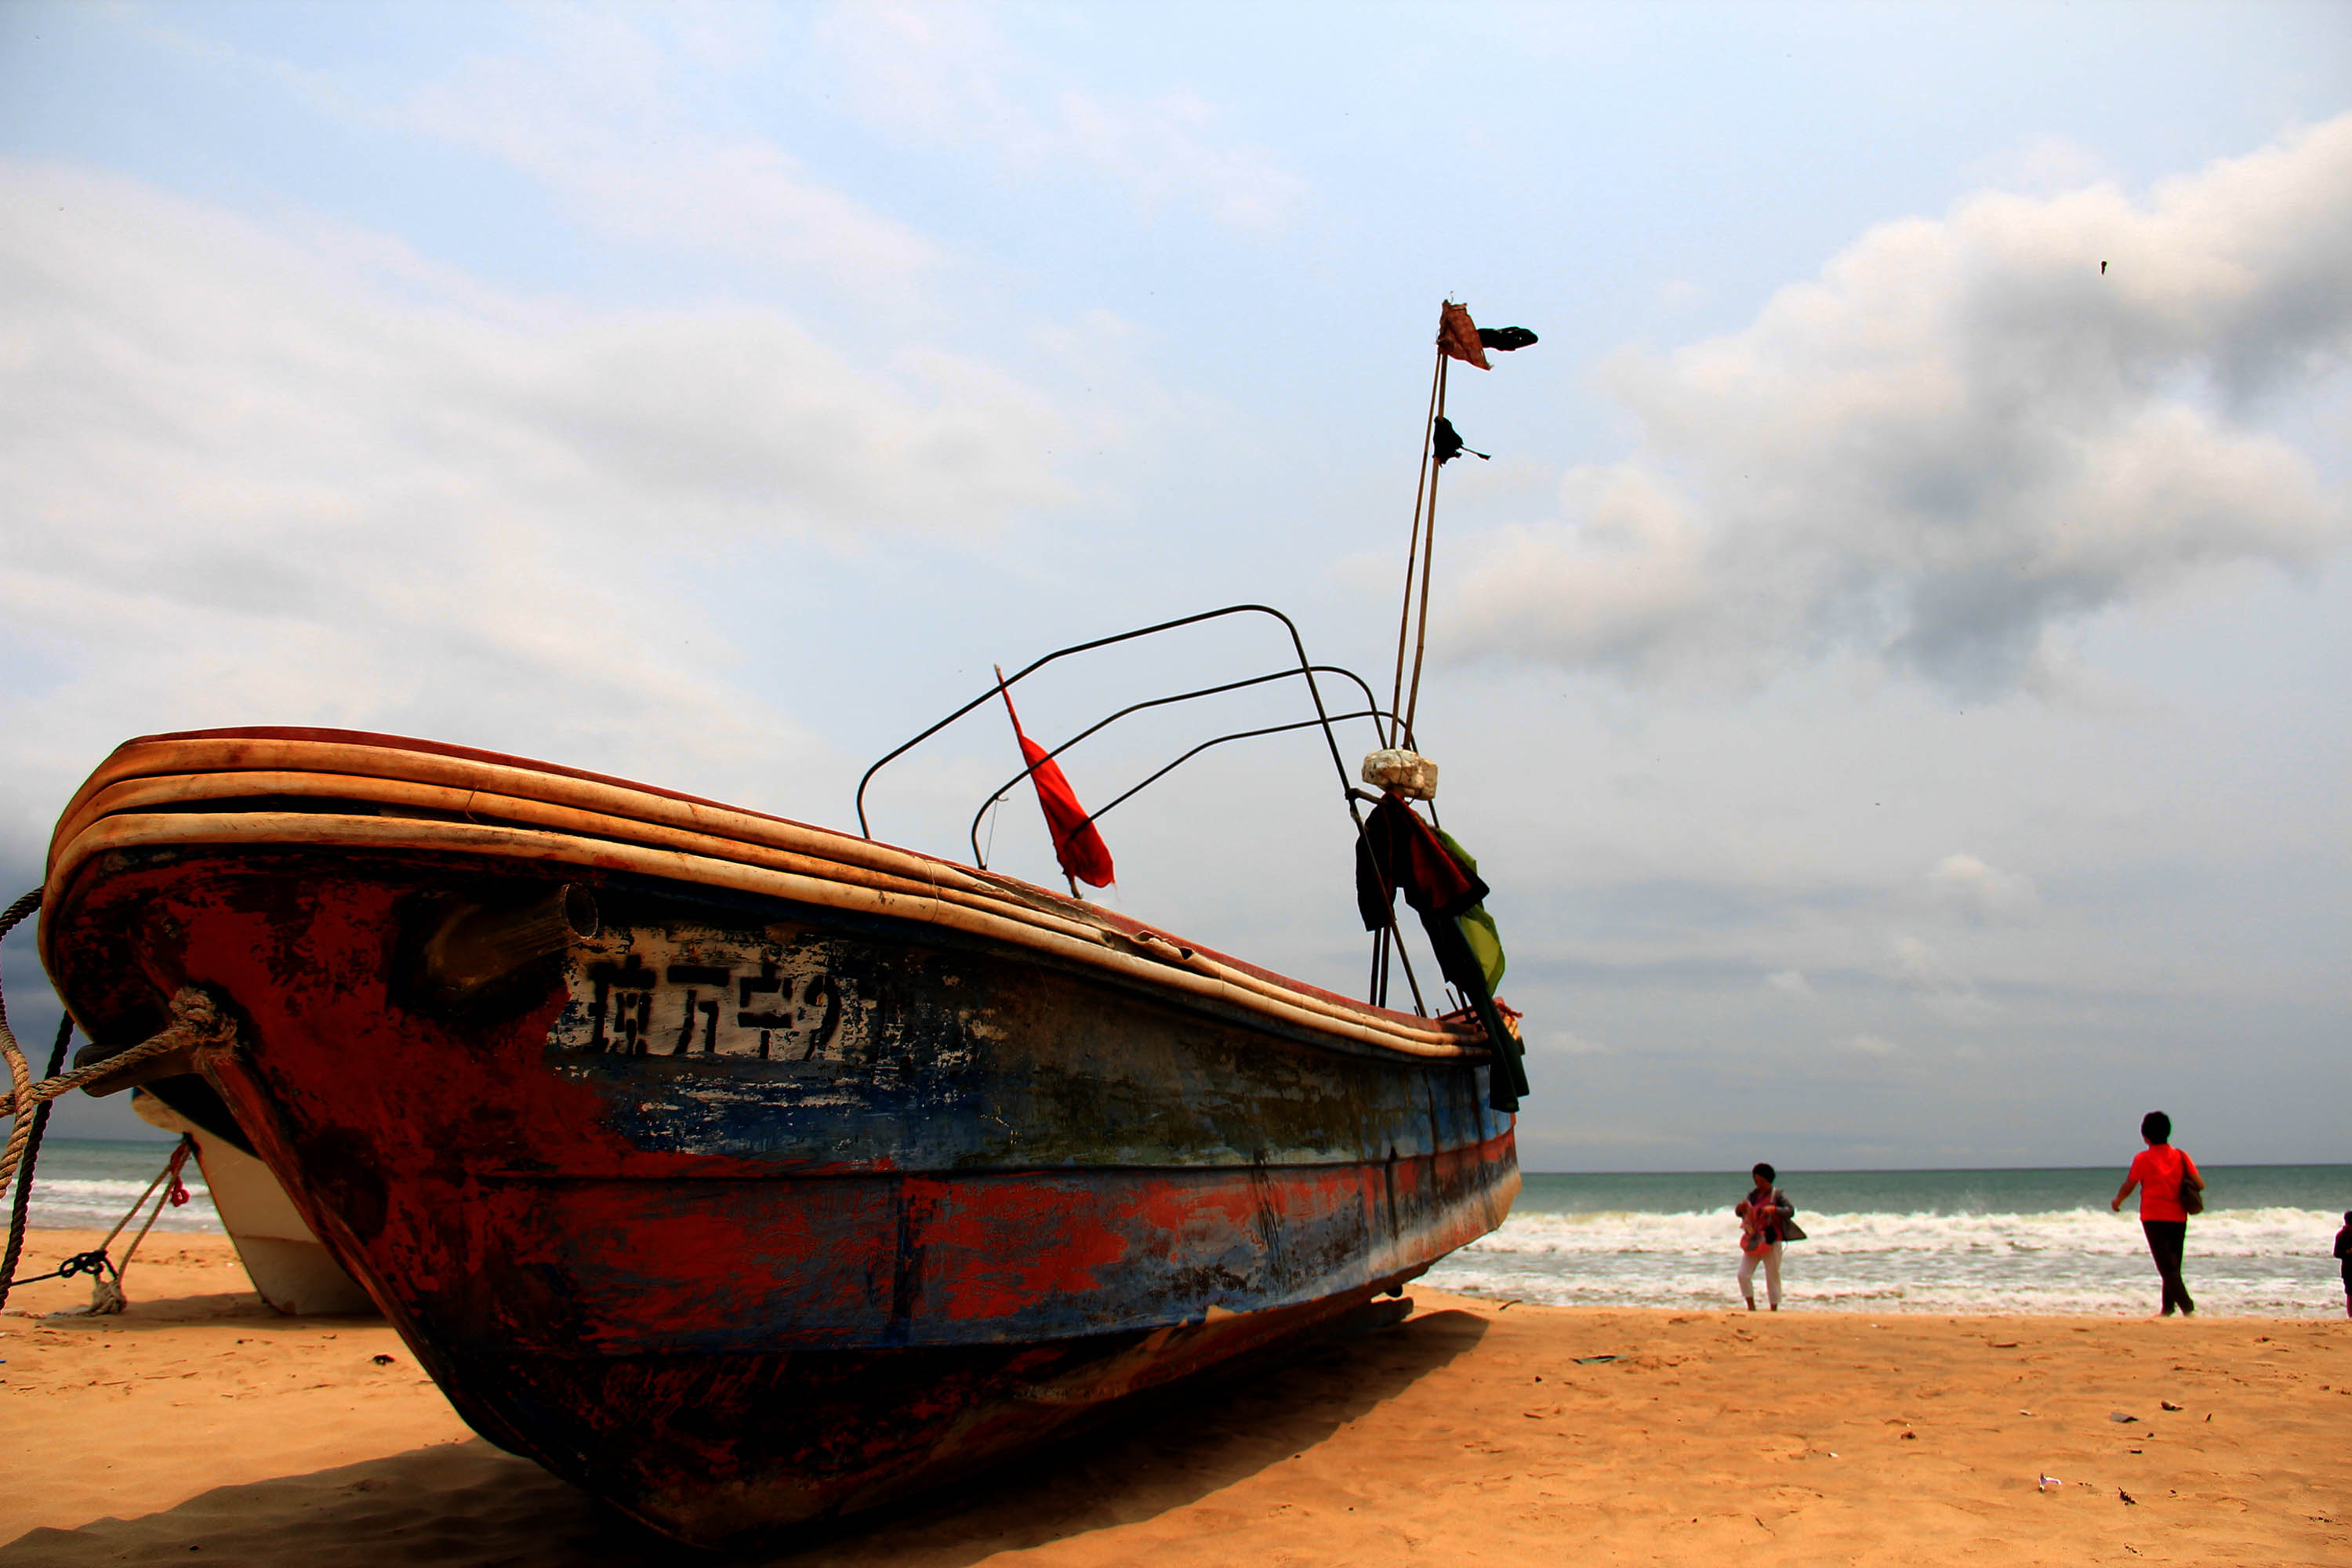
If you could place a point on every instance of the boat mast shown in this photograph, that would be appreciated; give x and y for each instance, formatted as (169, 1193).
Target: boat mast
(1424, 484)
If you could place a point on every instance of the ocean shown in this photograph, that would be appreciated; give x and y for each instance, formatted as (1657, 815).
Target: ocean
(2035, 1241)
(2038, 1241)
(86, 1184)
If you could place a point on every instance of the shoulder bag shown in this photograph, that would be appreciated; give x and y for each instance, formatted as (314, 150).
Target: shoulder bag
(2192, 1199)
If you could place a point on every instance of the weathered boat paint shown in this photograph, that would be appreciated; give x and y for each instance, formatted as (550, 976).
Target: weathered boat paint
(746, 1209)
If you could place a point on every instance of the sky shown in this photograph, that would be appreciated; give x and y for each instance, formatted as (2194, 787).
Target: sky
(1892, 671)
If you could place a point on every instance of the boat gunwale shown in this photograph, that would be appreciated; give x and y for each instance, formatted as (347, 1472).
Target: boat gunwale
(1015, 925)
(379, 762)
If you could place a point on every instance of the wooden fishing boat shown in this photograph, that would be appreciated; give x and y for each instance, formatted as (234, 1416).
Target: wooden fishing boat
(741, 1171)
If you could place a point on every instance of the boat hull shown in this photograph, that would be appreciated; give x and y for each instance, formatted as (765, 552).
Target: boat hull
(752, 1209)
(291, 1269)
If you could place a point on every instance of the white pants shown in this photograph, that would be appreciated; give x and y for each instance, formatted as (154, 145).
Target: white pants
(1771, 1258)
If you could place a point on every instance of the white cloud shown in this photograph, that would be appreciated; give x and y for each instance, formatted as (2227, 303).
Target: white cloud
(1874, 1045)
(1981, 891)
(252, 480)
(944, 76)
(595, 111)
(1959, 437)
(1789, 982)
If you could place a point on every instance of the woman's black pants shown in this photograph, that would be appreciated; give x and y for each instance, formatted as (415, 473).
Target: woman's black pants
(2165, 1239)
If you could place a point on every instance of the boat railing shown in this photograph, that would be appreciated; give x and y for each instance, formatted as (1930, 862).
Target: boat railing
(1387, 941)
(1305, 668)
(1369, 711)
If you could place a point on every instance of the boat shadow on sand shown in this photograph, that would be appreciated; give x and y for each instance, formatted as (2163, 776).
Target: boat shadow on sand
(467, 1505)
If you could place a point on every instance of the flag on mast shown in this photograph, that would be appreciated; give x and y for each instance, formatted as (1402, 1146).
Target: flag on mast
(1079, 848)
(1457, 335)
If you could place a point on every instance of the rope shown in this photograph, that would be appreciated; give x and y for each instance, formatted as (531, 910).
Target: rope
(20, 1073)
(196, 1021)
(106, 1293)
(20, 1211)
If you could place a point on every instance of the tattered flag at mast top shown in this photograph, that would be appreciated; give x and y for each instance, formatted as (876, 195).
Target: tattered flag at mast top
(1457, 336)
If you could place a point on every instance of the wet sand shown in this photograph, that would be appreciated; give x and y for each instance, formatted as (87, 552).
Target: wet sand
(199, 1427)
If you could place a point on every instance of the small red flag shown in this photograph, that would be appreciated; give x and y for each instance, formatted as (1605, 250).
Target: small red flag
(1077, 845)
(1457, 336)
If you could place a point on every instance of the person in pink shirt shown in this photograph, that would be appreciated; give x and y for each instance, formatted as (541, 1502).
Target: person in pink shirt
(2163, 1174)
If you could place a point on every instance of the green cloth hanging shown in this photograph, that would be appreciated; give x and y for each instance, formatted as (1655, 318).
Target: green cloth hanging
(1477, 925)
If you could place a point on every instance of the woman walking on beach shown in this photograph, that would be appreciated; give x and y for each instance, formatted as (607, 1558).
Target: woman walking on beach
(1764, 1216)
(2164, 1176)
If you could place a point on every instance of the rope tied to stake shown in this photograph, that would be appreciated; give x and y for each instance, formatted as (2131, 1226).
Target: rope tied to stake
(106, 1295)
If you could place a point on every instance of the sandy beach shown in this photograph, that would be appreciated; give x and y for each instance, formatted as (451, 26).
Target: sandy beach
(198, 1426)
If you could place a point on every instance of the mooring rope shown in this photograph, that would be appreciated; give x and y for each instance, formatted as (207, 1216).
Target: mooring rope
(196, 1020)
(106, 1294)
(20, 1072)
(20, 1211)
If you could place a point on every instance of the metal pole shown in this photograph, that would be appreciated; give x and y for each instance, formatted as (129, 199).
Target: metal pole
(1428, 558)
(1412, 551)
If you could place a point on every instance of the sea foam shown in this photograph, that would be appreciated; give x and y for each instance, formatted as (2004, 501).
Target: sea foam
(2263, 1261)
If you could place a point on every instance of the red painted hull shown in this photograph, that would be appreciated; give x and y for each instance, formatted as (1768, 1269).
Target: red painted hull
(752, 1207)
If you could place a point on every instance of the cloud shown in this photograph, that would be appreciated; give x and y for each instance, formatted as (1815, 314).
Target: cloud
(1959, 437)
(1873, 1045)
(254, 479)
(1981, 891)
(1789, 982)
(945, 76)
(1938, 982)
(598, 111)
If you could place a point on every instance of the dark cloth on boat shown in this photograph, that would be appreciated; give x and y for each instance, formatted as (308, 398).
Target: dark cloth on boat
(1399, 853)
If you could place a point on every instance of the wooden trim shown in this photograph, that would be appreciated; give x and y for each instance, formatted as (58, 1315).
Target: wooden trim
(1017, 923)
(420, 775)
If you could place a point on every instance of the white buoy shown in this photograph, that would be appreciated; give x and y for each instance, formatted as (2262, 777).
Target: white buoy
(1409, 773)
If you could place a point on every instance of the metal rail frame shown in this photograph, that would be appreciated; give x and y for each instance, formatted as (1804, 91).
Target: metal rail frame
(1388, 940)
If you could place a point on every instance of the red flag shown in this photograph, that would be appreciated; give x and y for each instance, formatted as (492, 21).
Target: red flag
(1077, 845)
(1457, 336)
